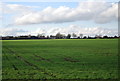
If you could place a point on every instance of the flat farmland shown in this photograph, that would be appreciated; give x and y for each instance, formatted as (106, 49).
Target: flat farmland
(60, 59)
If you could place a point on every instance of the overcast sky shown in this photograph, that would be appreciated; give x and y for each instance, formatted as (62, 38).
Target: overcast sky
(86, 17)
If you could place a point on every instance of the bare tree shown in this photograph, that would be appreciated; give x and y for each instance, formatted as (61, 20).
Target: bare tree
(98, 36)
(29, 36)
(74, 35)
(81, 35)
(59, 36)
(38, 35)
(41, 35)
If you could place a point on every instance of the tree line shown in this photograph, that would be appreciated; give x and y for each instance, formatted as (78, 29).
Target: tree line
(58, 36)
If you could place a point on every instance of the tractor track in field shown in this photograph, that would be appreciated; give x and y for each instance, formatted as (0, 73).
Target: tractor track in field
(69, 59)
(15, 68)
(30, 64)
(41, 58)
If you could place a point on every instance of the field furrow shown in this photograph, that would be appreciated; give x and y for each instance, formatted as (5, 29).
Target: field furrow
(28, 63)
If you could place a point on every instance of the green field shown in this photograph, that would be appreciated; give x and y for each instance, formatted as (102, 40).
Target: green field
(60, 59)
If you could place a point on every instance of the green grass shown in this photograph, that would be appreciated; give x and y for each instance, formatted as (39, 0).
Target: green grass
(60, 59)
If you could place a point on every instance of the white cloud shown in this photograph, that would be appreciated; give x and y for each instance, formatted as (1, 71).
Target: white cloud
(100, 12)
(0, 11)
(1, 17)
(12, 32)
(91, 31)
(15, 8)
(108, 15)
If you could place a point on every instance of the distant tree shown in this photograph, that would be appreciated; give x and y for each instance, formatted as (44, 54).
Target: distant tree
(105, 36)
(74, 35)
(52, 37)
(41, 35)
(68, 36)
(115, 36)
(98, 36)
(48, 37)
(59, 36)
(63, 36)
(84, 37)
(78, 37)
(29, 36)
(81, 35)
(89, 37)
(38, 35)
